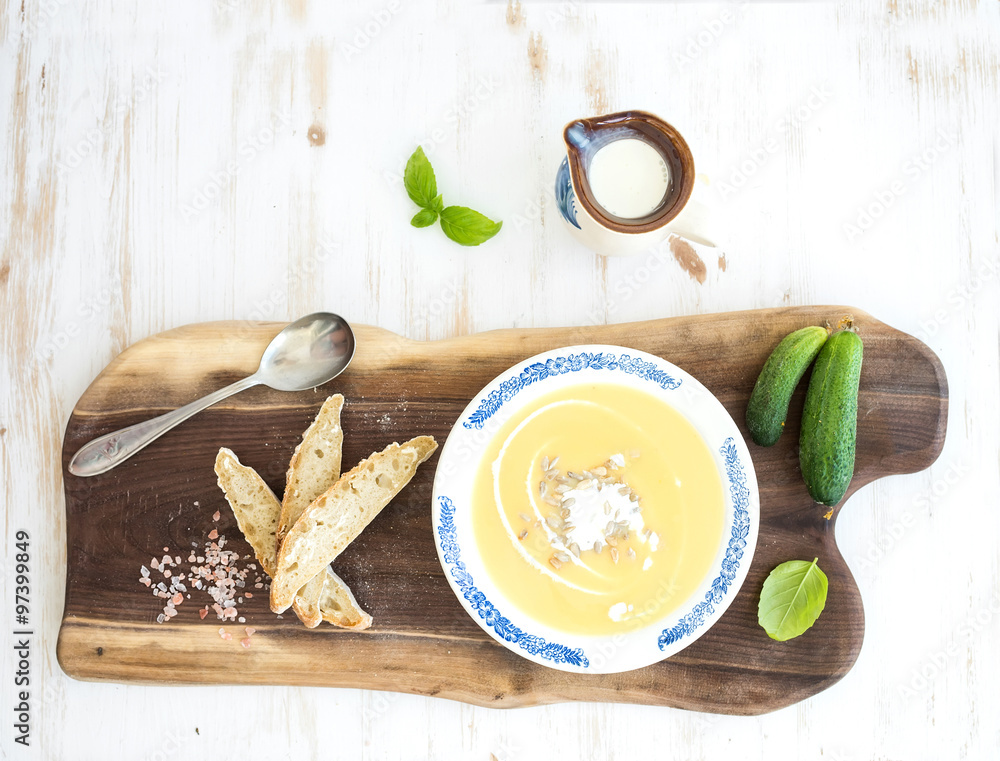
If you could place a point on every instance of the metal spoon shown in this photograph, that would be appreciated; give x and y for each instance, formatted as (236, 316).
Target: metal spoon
(306, 354)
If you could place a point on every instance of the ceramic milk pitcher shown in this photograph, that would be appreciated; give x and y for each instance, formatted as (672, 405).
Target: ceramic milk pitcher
(627, 182)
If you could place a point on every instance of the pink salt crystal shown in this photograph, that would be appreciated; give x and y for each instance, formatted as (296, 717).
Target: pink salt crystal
(213, 534)
(216, 516)
(245, 642)
(177, 599)
(250, 631)
(203, 612)
(166, 574)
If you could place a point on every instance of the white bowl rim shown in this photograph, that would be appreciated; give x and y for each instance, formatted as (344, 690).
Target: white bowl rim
(494, 611)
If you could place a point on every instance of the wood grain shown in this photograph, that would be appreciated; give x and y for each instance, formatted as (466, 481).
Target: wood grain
(422, 641)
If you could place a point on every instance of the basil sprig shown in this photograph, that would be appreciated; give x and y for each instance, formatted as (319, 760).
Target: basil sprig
(793, 596)
(461, 224)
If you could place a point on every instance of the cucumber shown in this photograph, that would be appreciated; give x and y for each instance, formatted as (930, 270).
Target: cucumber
(782, 372)
(829, 433)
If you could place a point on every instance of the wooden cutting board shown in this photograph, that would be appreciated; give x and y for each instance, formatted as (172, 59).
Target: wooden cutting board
(422, 641)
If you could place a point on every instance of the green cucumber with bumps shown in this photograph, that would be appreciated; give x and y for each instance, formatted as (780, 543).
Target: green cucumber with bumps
(782, 372)
(828, 439)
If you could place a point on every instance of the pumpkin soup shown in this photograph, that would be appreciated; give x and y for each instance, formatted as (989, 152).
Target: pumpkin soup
(598, 508)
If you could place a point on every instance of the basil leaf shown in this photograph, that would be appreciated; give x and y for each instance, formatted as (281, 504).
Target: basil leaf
(467, 227)
(424, 218)
(437, 204)
(421, 185)
(793, 596)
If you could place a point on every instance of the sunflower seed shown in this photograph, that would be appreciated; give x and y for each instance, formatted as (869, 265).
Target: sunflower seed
(575, 549)
(562, 556)
(607, 508)
(524, 517)
(554, 562)
(601, 470)
(585, 484)
(568, 501)
(545, 463)
(551, 472)
(631, 553)
(598, 547)
(522, 534)
(614, 554)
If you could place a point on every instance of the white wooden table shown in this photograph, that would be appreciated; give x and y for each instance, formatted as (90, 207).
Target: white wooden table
(167, 163)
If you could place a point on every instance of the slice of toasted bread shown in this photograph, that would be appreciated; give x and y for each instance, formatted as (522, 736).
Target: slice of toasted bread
(257, 511)
(315, 464)
(306, 602)
(339, 606)
(338, 515)
(314, 468)
(254, 504)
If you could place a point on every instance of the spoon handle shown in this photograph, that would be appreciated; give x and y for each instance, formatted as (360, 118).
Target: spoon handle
(104, 453)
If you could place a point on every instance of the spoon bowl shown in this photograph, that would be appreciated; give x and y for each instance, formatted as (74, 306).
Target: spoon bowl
(309, 352)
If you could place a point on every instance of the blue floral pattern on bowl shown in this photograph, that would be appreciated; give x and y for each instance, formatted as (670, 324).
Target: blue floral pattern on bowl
(534, 645)
(569, 364)
(740, 494)
(565, 197)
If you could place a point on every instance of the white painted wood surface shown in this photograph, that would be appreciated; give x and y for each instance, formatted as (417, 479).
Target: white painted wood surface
(158, 168)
